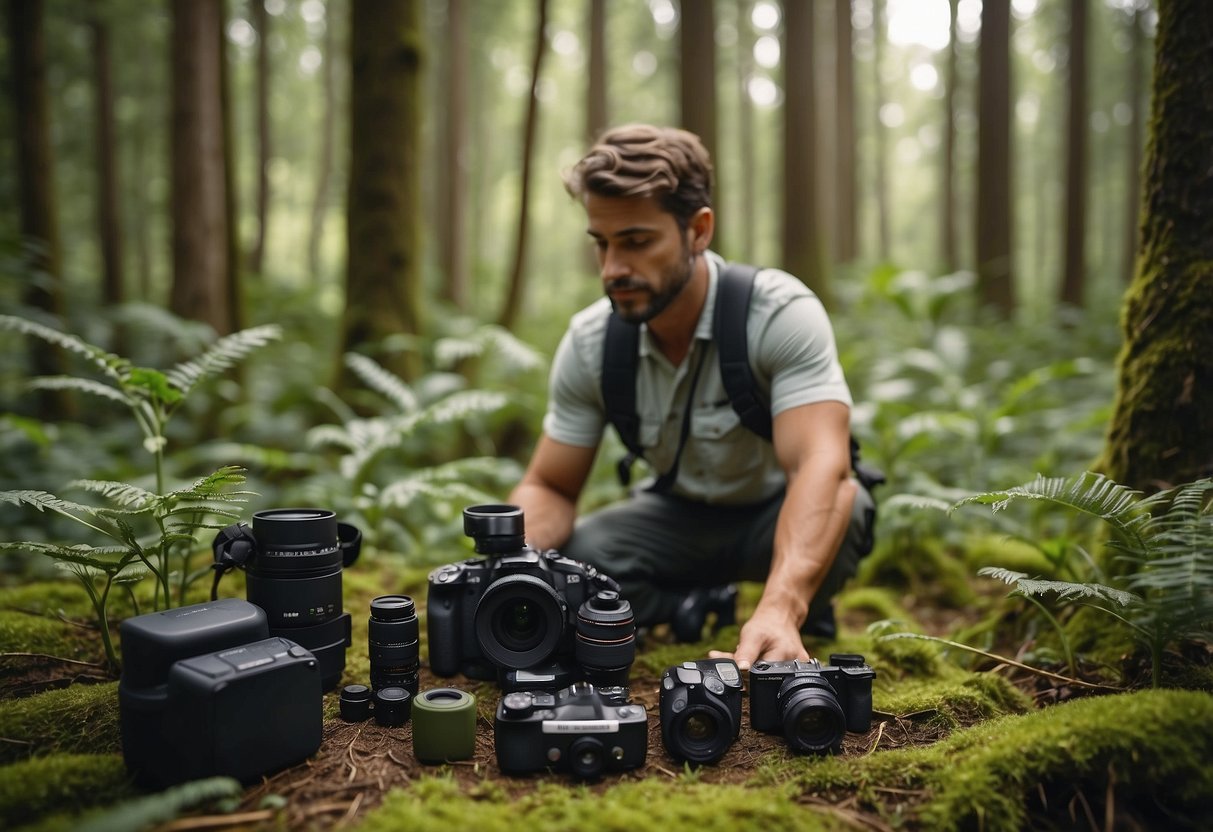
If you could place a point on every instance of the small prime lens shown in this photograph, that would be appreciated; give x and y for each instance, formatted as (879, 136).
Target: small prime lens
(355, 703)
(587, 756)
(812, 719)
(392, 706)
(392, 636)
(605, 641)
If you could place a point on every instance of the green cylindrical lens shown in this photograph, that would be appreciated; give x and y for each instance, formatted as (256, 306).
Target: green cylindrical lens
(444, 725)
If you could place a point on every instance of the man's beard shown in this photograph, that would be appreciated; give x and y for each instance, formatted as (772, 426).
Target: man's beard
(675, 280)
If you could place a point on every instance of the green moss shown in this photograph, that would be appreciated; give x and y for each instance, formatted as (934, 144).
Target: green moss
(960, 699)
(650, 804)
(24, 633)
(48, 598)
(1155, 745)
(925, 570)
(906, 657)
(874, 603)
(60, 783)
(76, 719)
(1007, 552)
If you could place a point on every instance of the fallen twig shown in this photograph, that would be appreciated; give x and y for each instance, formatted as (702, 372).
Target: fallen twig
(217, 821)
(50, 657)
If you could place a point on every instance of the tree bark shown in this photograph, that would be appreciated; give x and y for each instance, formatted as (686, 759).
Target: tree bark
(597, 111)
(846, 206)
(513, 299)
(383, 282)
(949, 257)
(109, 223)
(1073, 277)
(456, 286)
(1160, 433)
(994, 274)
(1133, 130)
(697, 86)
(328, 128)
(802, 254)
(745, 131)
(261, 22)
(200, 288)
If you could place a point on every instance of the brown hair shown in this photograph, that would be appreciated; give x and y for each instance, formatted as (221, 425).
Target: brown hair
(641, 160)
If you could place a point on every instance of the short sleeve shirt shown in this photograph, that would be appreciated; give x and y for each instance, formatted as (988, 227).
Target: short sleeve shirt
(793, 358)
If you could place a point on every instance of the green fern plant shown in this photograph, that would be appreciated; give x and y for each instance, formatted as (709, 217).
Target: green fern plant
(387, 461)
(1165, 540)
(175, 517)
(159, 808)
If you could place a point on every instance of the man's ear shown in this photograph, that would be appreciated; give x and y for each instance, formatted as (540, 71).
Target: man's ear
(702, 226)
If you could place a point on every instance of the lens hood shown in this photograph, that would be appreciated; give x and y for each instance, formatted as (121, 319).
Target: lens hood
(496, 528)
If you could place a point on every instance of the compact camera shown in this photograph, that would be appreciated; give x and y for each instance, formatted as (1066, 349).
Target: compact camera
(292, 558)
(700, 709)
(528, 618)
(580, 729)
(206, 691)
(810, 704)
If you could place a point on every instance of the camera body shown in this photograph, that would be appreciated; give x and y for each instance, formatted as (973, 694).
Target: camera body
(812, 704)
(700, 709)
(206, 691)
(293, 560)
(581, 729)
(529, 619)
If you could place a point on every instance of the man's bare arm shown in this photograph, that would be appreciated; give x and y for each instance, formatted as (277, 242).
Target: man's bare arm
(549, 490)
(812, 445)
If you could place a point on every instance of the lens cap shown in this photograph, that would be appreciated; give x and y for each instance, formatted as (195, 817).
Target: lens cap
(392, 707)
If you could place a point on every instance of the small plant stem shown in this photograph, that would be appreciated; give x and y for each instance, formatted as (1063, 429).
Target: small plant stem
(110, 654)
(1061, 635)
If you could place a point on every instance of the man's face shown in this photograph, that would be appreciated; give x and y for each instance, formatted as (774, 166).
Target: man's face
(644, 257)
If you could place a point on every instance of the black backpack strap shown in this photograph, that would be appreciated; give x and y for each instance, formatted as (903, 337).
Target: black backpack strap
(620, 362)
(733, 289)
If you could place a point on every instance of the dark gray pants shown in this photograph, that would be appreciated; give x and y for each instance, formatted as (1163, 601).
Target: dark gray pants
(658, 546)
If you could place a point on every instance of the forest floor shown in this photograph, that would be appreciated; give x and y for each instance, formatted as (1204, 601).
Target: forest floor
(365, 775)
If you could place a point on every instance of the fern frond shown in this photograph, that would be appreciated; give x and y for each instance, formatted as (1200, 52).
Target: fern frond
(212, 484)
(222, 355)
(382, 381)
(80, 385)
(97, 557)
(1065, 590)
(326, 436)
(449, 351)
(43, 501)
(1089, 493)
(916, 501)
(121, 493)
(108, 363)
(514, 353)
(402, 493)
(143, 812)
(462, 405)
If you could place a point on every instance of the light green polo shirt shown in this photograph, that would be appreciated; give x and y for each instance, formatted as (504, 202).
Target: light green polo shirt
(792, 355)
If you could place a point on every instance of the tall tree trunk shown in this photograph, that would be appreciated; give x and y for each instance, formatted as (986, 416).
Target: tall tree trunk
(879, 29)
(745, 130)
(200, 219)
(383, 282)
(514, 293)
(801, 235)
(846, 205)
(456, 286)
(1134, 131)
(994, 275)
(1159, 434)
(35, 185)
(697, 85)
(109, 224)
(597, 112)
(235, 294)
(261, 22)
(1074, 270)
(328, 128)
(949, 257)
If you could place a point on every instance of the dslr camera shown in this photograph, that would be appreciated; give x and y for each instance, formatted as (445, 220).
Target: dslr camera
(292, 558)
(810, 704)
(580, 729)
(529, 619)
(700, 709)
(206, 691)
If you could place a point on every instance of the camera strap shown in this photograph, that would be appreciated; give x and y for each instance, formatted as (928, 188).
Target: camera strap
(231, 548)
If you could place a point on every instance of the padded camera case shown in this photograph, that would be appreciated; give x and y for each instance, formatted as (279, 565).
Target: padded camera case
(183, 716)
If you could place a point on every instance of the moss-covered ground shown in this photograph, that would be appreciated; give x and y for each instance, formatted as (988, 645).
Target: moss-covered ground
(950, 746)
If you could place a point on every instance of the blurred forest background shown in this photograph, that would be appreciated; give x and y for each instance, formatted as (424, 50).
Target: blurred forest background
(372, 190)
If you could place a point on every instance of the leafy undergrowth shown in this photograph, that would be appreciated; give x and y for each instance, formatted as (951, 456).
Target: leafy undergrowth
(948, 748)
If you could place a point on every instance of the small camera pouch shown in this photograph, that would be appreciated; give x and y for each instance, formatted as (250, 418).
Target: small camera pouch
(246, 711)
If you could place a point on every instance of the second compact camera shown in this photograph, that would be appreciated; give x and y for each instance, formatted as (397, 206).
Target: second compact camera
(812, 704)
(581, 730)
(700, 709)
(525, 617)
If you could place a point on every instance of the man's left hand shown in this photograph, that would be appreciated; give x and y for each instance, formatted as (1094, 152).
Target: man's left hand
(767, 635)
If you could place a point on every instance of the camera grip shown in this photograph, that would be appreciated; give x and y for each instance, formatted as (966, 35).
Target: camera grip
(442, 629)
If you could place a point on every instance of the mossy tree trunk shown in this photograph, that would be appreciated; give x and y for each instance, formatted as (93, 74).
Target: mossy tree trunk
(383, 279)
(1161, 431)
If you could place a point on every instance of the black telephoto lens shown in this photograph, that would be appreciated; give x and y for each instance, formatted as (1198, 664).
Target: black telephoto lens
(392, 637)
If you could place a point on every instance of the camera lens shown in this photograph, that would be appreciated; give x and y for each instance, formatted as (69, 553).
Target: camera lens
(586, 757)
(392, 707)
(519, 621)
(605, 642)
(813, 720)
(699, 734)
(355, 703)
(392, 636)
(496, 529)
